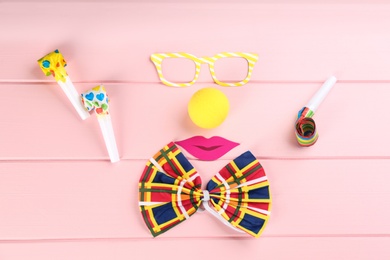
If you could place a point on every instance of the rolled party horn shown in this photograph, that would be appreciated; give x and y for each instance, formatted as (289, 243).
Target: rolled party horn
(54, 64)
(305, 127)
(97, 99)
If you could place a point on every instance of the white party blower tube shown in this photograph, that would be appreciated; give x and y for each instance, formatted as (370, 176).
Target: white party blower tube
(320, 95)
(109, 137)
(74, 97)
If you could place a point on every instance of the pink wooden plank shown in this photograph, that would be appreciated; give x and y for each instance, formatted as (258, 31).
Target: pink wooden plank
(265, 248)
(38, 121)
(71, 200)
(60, 200)
(217, 1)
(296, 42)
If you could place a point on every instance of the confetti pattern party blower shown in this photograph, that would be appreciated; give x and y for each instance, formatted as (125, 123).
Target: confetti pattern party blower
(97, 99)
(305, 127)
(54, 64)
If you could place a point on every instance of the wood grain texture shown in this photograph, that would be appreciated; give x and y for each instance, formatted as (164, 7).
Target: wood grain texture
(73, 200)
(295, 42)
(60, 198)
(305, 248)
(261, 118)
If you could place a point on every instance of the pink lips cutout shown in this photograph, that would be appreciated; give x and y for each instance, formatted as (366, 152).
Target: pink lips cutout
(207, 149)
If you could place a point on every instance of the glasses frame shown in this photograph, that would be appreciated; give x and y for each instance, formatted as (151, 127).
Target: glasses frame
(251, 58)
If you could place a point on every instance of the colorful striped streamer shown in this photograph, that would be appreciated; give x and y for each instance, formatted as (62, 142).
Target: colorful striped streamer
(170, 192)
(158, 58)
(305, 127)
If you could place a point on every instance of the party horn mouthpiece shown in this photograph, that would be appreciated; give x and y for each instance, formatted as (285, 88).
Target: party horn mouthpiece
(54, 64)
(305, 127)
(97, 99)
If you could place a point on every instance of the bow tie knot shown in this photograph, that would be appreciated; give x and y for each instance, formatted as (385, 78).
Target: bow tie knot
(170, 192)
(206, 196)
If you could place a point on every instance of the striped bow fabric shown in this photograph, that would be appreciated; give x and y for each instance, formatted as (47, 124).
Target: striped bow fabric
(170, 192)
(305, 127)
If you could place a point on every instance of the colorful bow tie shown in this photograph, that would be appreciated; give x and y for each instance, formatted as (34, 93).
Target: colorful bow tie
(170, 192)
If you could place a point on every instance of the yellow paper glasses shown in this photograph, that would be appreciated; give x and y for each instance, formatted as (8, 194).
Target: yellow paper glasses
(251, 59)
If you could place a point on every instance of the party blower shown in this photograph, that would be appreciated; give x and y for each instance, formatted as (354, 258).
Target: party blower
(97, 99)
(54, 64)
(305, 127)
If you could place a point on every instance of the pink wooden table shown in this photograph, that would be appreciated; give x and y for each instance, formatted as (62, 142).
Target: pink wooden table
(61, 198)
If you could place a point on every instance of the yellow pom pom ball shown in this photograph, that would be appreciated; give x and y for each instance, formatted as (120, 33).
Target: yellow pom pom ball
(208, 108)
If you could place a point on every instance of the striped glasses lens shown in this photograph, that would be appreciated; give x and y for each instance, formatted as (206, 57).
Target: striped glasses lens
(178, 69)
(231, 69)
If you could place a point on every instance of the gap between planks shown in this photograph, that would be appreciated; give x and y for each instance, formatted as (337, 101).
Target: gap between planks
(92, 239)
(330, 158)
(117, 82)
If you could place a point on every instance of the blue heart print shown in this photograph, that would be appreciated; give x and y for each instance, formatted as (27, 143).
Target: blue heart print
(89, 96)
(100, 96)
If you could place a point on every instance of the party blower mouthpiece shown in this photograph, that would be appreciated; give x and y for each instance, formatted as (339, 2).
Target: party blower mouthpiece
(54, 64)
(97, 99)
(305, 127)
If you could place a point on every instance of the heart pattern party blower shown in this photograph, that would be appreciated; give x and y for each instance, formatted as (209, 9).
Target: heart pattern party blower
(305, 127)
(97, 99)
(54, 64)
